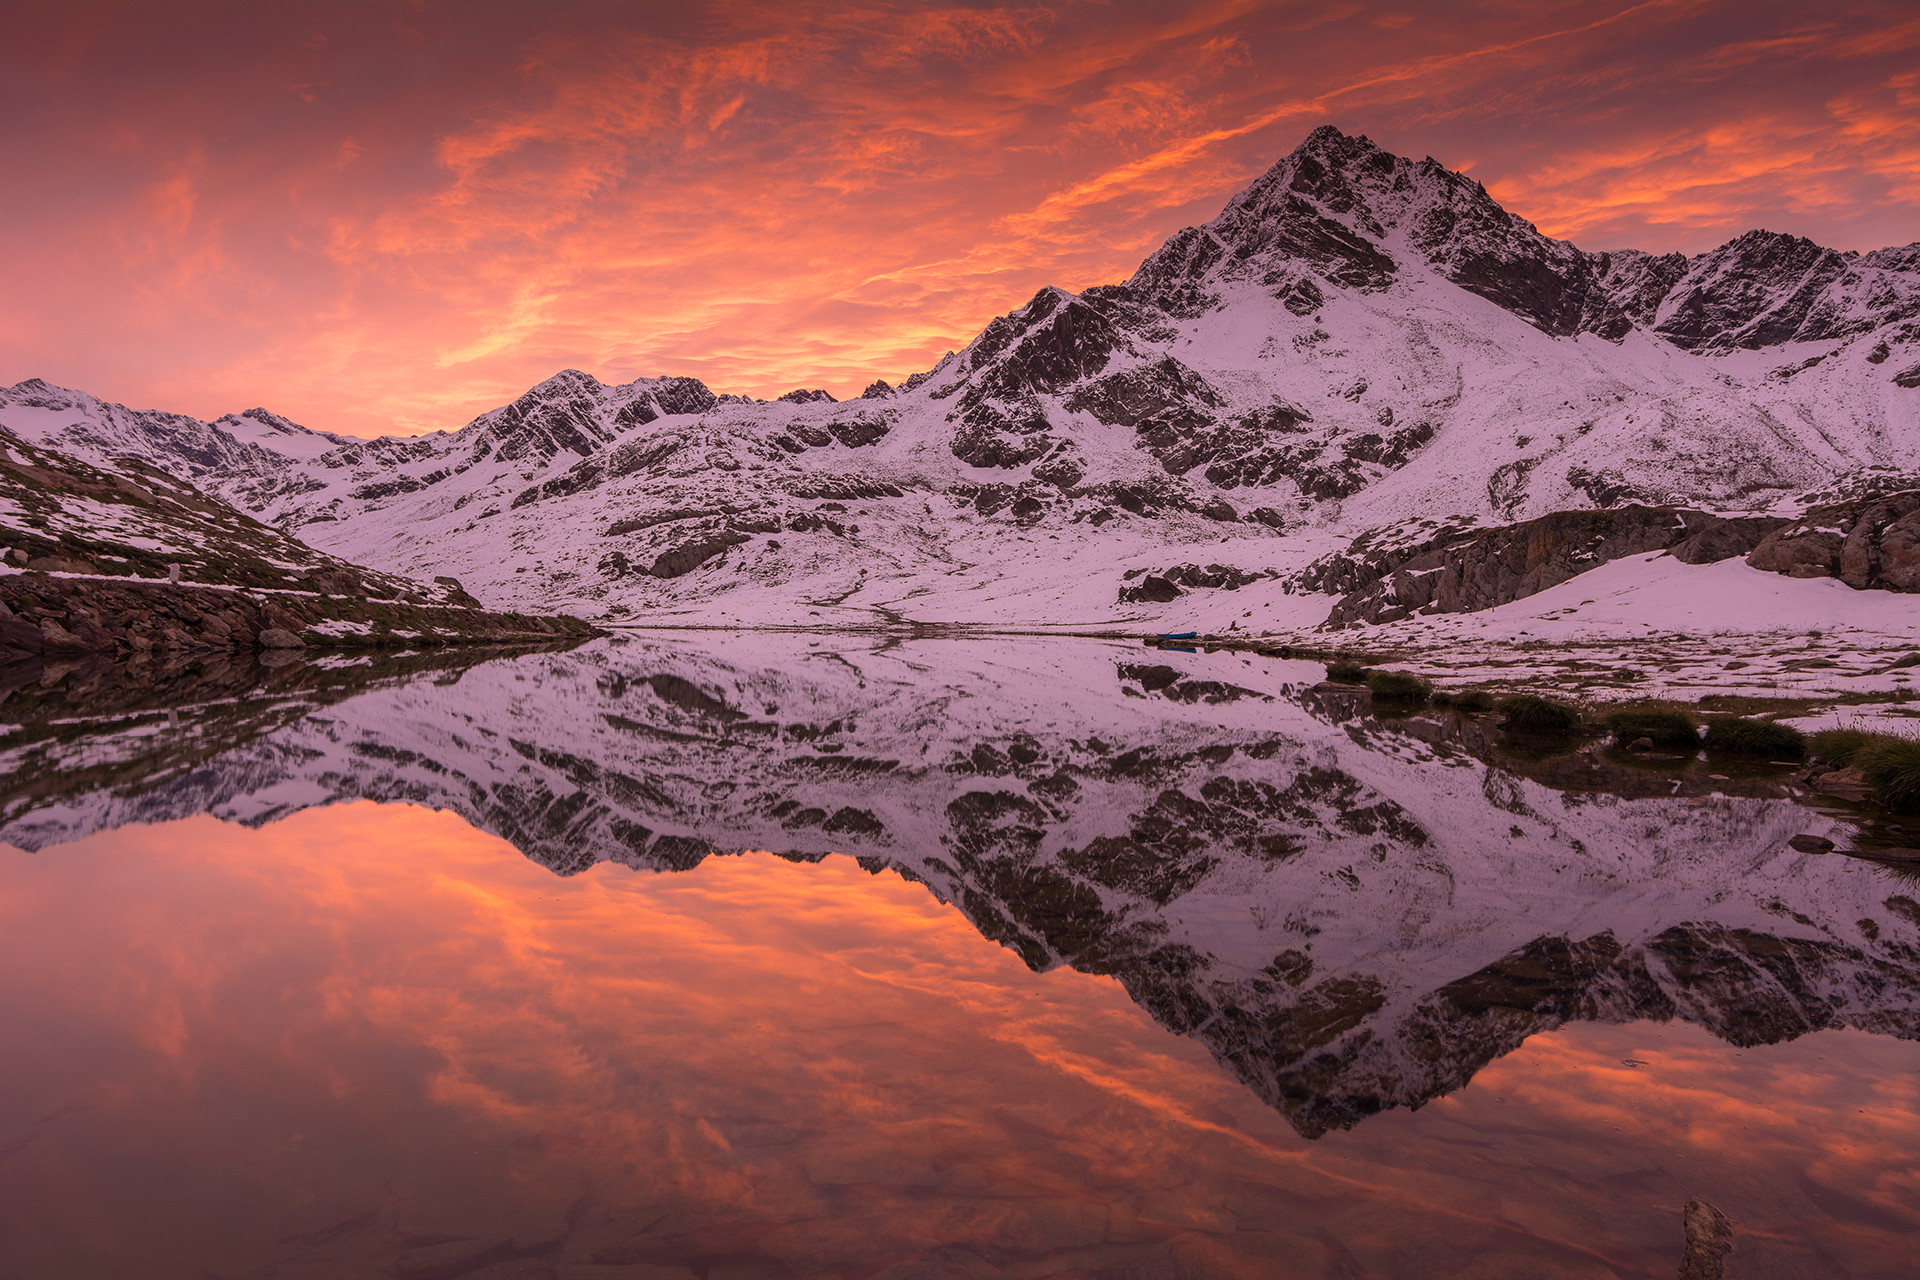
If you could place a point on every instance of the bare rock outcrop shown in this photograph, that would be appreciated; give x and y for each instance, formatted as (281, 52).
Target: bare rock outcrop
(1463, 571)
(1868, 543)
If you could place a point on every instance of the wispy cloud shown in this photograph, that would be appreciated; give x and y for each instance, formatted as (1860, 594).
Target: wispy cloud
(383, 218)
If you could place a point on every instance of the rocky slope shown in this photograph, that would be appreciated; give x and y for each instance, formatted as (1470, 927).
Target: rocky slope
(1352, 913)
(1358, 341)
(123, 517)
(126, 559)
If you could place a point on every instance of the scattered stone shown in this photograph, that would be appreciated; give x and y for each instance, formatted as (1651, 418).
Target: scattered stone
(1640, 745)
(1810, 844)
(276, 638)
(1848, 784)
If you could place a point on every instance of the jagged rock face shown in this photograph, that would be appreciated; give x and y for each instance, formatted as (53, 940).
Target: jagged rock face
(1765, 289)
(1866, 543)
(1638, 282)
(1358, 340)
(1463, 571)
(1331, 208)
(1352, 914)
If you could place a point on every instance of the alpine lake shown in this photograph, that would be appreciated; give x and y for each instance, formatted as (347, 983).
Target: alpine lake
(744, 956)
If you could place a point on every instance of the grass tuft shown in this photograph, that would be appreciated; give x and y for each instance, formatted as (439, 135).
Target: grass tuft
(1665, 728)
(1892, 769)
(1346, 671)
(1757, 738)
(1398, 686)
(1474, 700)
(1539, 715)
(1838, 747)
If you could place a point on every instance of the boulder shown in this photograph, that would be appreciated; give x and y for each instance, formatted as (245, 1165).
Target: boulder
(279, 638)
(335, 582)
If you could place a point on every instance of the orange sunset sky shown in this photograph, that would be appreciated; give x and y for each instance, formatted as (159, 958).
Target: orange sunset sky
(388, 217)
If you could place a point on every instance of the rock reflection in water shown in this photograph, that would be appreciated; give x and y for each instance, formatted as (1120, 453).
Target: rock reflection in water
(1351, 914)
(369, 1041)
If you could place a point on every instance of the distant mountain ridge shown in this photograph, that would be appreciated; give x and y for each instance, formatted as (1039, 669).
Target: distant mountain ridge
(1358, 340)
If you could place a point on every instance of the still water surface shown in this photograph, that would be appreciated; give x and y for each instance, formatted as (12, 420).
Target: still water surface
(1065, 961)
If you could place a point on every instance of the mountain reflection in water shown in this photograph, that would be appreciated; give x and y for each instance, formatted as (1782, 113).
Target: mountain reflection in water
(1350, 914)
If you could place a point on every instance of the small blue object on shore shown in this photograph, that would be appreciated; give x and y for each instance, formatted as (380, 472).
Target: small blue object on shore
(1178, 635)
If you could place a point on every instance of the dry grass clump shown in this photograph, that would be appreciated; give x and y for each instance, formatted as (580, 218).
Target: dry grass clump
(1346, 671)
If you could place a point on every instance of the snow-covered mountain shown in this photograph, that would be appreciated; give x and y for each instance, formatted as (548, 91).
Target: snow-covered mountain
(1352, 913)
(1357, 341)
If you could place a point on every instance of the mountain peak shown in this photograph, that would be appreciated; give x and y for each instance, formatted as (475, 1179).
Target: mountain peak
(568, 382)
(1341, 211)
